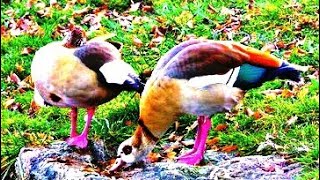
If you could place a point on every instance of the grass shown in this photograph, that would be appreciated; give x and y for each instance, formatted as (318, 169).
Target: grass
(180, 18)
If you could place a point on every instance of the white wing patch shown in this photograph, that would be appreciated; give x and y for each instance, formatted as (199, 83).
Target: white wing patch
(116, 71)
(229, 79)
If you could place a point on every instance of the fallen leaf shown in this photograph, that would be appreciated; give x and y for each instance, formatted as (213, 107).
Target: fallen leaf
(273, 91)
(269, 48)
(303, 148)
(82, 1)
(30, 3)
(229, 148)
(146, 8)
(287, 54)
(187, 143)
(19, 68)
(34, 108)
(53, 3)
(81, 12)
(189, 36)
(171, 155)
(249, 112)
(221, 127)
(287, 93)
(158, 31)
(245, 40)
(268, 143)
(255, 114)
(12, 105)
(292, 120)
(156, 41)
(14, 78)
(269, 109)
(112, 161)
(27, 50)
(281, 45)
(211, 9)
(212, 141)
(88, 169)
(134, 7)
(153, 157)
(46, 12)
(137, 42)
(128, 122)
(251, 5)
(258, 114)
(8, 103)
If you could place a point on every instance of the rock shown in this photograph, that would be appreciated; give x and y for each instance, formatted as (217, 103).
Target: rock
(59, 161)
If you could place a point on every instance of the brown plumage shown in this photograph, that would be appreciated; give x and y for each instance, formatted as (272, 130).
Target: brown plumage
(80, 76)
(180, 84)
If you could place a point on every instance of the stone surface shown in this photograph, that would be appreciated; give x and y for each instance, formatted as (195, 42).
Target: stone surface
(59, 161)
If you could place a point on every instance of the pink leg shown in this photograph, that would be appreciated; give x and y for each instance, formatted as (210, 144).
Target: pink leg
(81, 140)
(197, 140)
(196, 154)
(74, 118)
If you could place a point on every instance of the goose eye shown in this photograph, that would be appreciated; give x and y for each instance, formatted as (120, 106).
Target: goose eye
(127, 150)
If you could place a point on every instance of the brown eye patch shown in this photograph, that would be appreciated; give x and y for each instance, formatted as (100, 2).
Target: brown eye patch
(127, 149)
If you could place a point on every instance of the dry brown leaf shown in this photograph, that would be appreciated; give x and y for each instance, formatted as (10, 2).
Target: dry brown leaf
(14, 78)
(251, 5)
(281, 45)
(128, 122)
(212, 141)
(153, 157)
(229, 148)
(27, 50)
(19, 68)
(137, 42)
(211, 9)
(292, 120)
(8, 103)
(249, 112)
(258, 114)
(46, 12)
(30, 3)
(255, 114)
(161, 19)
(221, 127)
(273, 91)
(53, 3)
(158, 31)
(146, 8)
(34, 108)
(88, 169)
(171, 155)
(82, 1)
(245, 40)
(287, 93)
(269, 48)
(269, 109)
(189, 36)
(156, 41)
(14, 106)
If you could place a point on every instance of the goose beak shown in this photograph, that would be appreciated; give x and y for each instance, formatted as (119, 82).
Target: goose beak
(117, 165)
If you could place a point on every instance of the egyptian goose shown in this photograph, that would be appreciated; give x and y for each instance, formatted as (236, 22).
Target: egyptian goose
(200, 77)
(78, 74)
